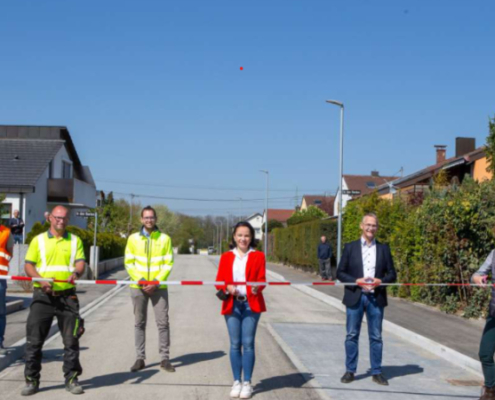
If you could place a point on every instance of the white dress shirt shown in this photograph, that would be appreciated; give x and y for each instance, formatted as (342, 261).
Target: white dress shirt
(369, 258)
(240, 270)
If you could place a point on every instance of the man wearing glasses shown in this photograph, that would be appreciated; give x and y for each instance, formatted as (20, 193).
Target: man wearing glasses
(149, 257)
(55, 255)
(368, 264)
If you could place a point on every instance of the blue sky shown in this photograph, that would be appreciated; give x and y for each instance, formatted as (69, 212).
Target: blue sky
(152, 91)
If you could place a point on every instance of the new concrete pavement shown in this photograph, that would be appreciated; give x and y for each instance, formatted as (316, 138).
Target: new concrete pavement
(299, 347)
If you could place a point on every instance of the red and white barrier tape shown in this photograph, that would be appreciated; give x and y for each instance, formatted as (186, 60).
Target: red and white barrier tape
(221, 283)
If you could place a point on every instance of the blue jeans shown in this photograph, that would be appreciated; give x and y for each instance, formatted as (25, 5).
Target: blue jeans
(242, 325)
(374, 315)
(17, 238)
(3, 309)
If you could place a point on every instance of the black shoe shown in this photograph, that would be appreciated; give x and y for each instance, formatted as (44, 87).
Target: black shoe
(167, 366)
(32, 387)
(347, 378)
(380, 379)
(138, 365)
(73, 386)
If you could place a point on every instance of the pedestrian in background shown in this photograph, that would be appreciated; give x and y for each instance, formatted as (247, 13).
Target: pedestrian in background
(368, 264)
(242, 305)
(324, 256)
(149, 257)
(16, 227)
(487, 344)
(6, 249)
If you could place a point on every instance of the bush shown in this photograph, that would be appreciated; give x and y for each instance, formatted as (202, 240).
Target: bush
(309, 214)
(184, 248)
(272, 224)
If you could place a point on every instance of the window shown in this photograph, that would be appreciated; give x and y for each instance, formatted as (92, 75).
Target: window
(317, 202)
(370, 185)
(50, 170)
(66, 170)
(5, 213)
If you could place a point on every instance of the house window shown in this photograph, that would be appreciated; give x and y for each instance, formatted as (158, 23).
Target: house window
(66, 170)
(5, 213)
(370, 185)
(317, 202)
(50, 170)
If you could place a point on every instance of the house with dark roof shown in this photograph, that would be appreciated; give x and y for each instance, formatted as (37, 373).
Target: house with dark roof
(468, 161)
(325, 203)
(359, 185)
(40, 168)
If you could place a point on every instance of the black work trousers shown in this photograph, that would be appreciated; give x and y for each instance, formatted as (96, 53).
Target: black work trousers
(43, 308)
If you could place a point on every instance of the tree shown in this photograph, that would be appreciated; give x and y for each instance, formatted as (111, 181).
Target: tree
(309, 214)
(272, 224)
(490, 146)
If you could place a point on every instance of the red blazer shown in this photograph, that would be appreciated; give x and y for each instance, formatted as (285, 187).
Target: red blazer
(255, 272)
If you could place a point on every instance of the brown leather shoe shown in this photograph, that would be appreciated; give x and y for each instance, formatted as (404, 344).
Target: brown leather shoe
(167, 366)
(138, 365)
(488, 393)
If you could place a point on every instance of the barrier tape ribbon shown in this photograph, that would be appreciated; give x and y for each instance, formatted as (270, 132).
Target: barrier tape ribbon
(222, 283)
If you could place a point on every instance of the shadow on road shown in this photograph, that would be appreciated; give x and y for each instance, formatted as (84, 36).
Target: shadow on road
(194, 358)
(395, 371)
(281, 382)
(118, 378)
(56, 355)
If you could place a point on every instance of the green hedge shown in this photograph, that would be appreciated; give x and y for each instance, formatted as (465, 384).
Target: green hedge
(111, 245)
(297, 244)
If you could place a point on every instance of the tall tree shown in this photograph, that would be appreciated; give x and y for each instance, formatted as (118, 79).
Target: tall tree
(490, 146)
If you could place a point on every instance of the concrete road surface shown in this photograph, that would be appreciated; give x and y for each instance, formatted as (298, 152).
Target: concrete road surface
(299, 348)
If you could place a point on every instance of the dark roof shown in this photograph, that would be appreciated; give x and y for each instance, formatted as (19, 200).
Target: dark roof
(366, 183)
(428, 172)
(279, 215)
(22, 161)
(325, 202)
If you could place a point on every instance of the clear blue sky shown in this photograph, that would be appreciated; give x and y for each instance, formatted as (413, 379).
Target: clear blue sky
(152, 91)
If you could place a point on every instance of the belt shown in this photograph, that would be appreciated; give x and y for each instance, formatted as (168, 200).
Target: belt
(59, 293)
(240, 298)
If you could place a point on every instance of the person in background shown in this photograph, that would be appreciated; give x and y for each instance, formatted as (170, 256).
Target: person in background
(324, 255)
(6, 249)
(16, 227)
(242, 305)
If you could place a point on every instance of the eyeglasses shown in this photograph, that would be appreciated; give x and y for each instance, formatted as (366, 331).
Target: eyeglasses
(149, 218)
(59, 218)
(371, 226)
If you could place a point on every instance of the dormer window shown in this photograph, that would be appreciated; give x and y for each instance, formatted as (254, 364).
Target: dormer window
(66, 170)
(370, 185)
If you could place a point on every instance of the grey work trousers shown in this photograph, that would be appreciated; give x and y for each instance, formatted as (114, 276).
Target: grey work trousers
(326, 269)
(159, 300)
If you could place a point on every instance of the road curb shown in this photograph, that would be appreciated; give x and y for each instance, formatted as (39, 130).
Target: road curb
(16, 351)
(440, 350)
(13, 306)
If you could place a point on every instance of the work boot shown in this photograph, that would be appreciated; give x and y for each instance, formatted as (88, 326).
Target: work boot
(348, 377)
(487, 393)
(138, 365)
(31, 388)
(167, 366)
(73, 386)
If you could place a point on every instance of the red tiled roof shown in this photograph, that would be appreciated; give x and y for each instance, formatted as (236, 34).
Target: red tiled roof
(326, 204)
(279, 215)
(360, 182)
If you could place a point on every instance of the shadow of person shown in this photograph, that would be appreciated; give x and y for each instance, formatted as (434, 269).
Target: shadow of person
(56, 355)
(194, 358)
(395, 371)
(117, 378)
(296, 380)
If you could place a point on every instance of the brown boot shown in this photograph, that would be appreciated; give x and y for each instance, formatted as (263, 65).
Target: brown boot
(488, 393)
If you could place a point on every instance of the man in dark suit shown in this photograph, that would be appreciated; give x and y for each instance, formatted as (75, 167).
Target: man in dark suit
(368, 264)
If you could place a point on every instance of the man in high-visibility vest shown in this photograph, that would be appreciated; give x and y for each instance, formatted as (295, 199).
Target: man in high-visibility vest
(58, 255)
(6, 250)
(149, 257)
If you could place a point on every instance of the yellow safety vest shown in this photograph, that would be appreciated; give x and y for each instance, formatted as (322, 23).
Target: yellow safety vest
(149, 258)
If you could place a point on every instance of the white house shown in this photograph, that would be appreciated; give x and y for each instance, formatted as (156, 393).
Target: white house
(256, 221)
(40, 168)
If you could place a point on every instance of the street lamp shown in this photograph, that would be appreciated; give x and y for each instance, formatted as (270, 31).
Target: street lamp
(266, 208)
(341, 169)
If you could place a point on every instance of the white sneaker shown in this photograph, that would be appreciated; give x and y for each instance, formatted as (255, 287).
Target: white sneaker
(236, 389)
(247, 390)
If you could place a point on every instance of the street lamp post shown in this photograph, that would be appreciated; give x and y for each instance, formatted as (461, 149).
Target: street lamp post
(341, 169)
(266, 210)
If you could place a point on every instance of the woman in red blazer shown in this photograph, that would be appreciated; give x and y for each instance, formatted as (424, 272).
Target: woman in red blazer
(243, 307)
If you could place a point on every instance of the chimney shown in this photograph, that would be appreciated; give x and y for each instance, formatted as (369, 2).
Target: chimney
(375, 173)
(441, 152)
(464, 145)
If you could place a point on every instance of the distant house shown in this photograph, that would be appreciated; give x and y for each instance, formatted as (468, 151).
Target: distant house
(256, 221)
(359, 185)
(325, 203)
(468, 160)
(40, 168)
(279, 215)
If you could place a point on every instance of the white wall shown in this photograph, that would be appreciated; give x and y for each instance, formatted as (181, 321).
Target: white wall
(345, 199)
(62, 155)
(257, 222)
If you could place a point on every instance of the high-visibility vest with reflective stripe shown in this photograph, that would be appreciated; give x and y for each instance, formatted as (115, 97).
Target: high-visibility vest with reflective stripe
(5, 256)
(60, 271)
(149, 258)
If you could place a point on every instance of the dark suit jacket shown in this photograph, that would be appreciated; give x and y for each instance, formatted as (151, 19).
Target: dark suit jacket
(351, 268)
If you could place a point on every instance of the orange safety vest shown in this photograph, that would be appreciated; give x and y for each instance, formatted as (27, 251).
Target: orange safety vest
(5, 256)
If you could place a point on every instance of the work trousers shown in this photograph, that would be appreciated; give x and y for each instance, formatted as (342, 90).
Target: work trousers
(487, 351)
(43, 309)
(159, 300)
